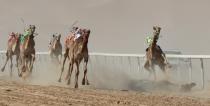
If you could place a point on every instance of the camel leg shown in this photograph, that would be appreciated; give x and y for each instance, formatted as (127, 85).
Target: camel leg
(147, 67)
(17, 64)
(76, 75)
(17, 61)
(59, 58)
(85, 79)
(64, 60)
(32, 62)
(25, 69)
(27, 64)
(3, 68)
(152, 65)
(163, 67)
(23, 66)
(11, 65)
(51, 55)
(154, 73)
(65, 56)
(71, 65)
(20, 63)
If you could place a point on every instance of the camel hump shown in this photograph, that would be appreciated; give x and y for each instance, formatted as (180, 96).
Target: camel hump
(12, 41)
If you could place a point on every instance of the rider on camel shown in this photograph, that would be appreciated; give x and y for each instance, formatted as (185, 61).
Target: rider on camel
(27, 32)
(149, 41)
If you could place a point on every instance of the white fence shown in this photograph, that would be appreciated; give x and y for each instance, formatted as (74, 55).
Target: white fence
(189, 59)
(133, 64)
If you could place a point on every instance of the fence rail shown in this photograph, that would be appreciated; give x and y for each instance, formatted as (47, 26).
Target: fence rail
(138, 56)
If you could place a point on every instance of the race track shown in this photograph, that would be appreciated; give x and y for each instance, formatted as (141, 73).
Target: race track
(19, 94)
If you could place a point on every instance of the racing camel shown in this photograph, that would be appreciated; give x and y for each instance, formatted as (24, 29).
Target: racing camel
(155, 55)
(68, 41)
(76, 52)
(27, 51)
(55, 47)
(12, 49)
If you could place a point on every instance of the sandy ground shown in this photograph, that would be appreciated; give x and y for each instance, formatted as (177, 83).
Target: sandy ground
(19, 94)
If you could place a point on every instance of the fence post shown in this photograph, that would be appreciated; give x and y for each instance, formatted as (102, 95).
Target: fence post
(139, 64)
(129, 60)
(178, 70)
(122, 62)
(203, 73)
(190, 70)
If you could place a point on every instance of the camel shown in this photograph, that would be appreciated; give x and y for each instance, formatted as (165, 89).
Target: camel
(55, 47)
(68, 41)
(155, 56)
(77, 50)
(27, 51)
(12, 49)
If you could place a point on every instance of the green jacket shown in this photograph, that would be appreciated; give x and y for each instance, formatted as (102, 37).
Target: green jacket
(25, 34)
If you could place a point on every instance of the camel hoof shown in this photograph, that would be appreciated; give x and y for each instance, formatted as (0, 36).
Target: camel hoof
(68, 83)
(23, 69)
(76, 86)
(83, 82)
(59, 80)
(2, 70)
(88, 83)
(20, 75)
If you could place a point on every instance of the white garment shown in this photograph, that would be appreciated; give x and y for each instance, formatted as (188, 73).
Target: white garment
(77, 36)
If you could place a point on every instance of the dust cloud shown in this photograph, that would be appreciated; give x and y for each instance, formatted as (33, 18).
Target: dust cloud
(109, 76)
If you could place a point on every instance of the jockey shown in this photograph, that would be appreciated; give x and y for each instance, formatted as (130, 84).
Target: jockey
(28, 32)
(77, 34)
(149, 41)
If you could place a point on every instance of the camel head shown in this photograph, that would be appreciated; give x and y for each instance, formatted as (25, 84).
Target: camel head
(156, 29)
(86, 36)
(156, 32)
(32, 28)
(55, 39)
(74, 29)
(83, 40)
